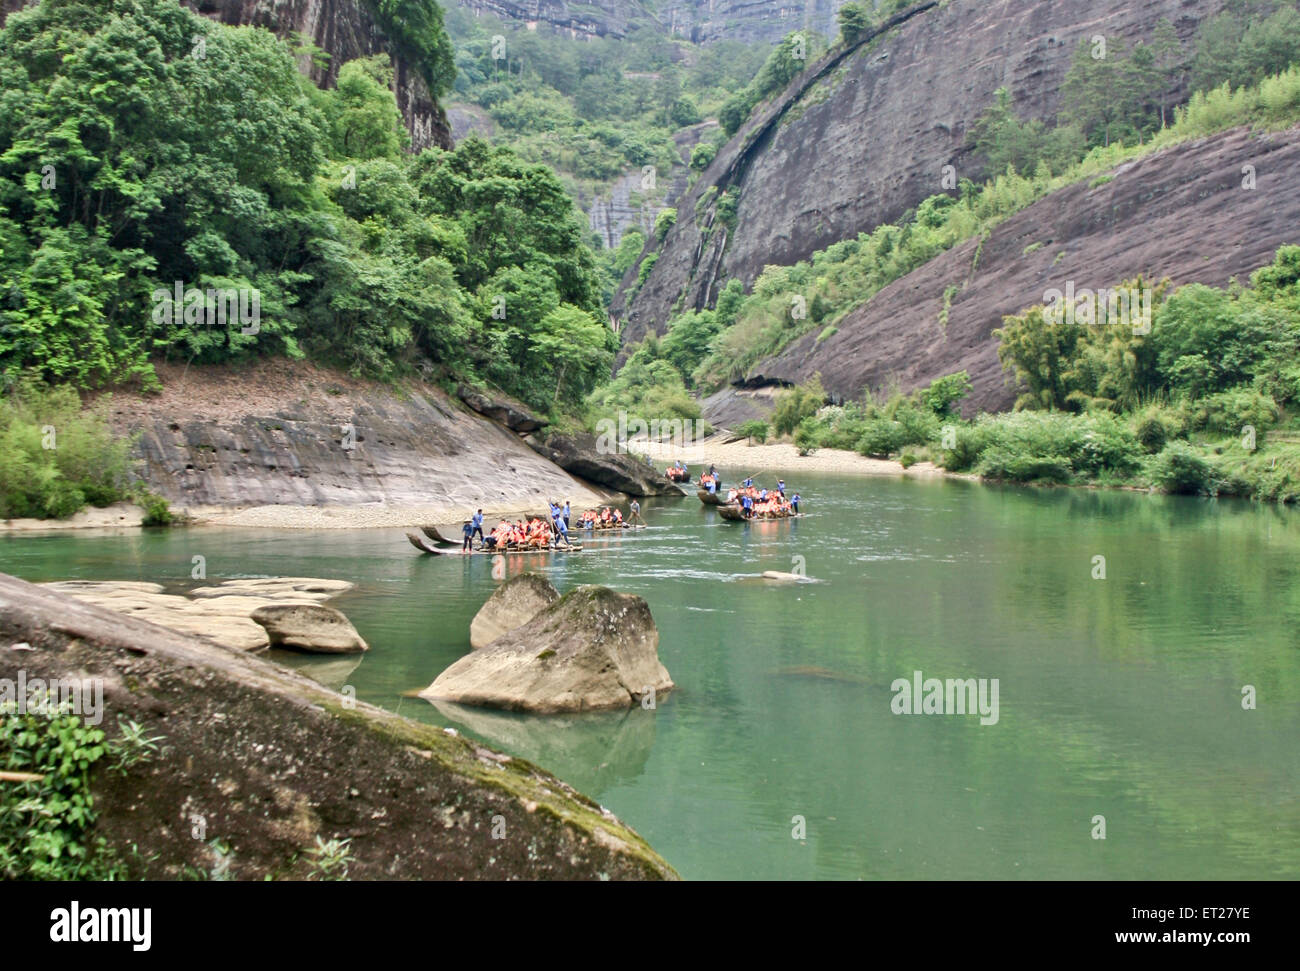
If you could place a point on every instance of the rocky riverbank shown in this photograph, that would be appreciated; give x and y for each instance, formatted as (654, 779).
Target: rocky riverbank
(231, 613)
(267, 764)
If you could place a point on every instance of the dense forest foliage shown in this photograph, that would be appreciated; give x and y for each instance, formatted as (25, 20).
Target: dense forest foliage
(595, 107)
(146, 152)
(599, 109)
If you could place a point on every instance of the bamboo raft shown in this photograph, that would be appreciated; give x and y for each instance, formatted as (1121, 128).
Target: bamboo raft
(711, 498)
(736, 514)
(424, 546)
(599, 527)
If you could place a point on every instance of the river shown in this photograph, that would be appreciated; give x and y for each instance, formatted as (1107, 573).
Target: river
(779, 756)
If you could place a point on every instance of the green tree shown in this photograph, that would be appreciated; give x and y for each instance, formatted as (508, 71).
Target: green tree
(362, 113)
(685, 112)
(688, 339)
(854, 20)
(415, 27)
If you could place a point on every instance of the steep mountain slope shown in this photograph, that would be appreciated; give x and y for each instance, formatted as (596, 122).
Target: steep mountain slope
(864, 134)
(344, 29)
(1181, 213)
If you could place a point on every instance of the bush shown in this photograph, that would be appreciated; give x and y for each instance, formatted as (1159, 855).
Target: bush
(881, 438)
(1045, 445)
(920, 424)
(807, 436)
(1000, 462)
(795, 404)
(55, 456)
(157, 511)
(701, 155)
(1154, 426)
(665, 221)
(855, 20)
(647, 264)
(1180, 469)
(944, 393)
(1228, 412)
(755, 431)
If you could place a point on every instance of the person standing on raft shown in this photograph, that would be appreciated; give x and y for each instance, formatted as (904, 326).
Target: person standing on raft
(468, 530)
(635, 512)
(477, 523)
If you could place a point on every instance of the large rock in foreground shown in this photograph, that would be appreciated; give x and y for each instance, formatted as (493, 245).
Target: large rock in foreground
(309, 627)
(272, 761)
(591, 649)
(511, 605)
(578, 455)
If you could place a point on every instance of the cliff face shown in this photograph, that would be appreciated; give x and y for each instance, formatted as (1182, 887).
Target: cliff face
(863, 135)
(345, 29)
(699, 21)
(287, 433)
(1182, 213)
(709, 21)
(604, 18)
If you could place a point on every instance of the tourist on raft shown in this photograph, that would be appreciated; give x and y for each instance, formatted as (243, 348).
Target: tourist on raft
(762, 504)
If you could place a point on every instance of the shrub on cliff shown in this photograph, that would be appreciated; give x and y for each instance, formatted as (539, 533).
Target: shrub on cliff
(854, 20)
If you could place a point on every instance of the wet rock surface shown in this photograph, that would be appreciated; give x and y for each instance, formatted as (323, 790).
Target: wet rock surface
(592, 649)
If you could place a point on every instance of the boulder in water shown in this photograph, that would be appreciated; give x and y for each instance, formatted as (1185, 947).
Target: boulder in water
(513, 604)
(309, 627)
(591, 649)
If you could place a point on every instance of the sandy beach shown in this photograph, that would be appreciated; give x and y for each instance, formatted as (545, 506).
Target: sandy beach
(370, 516)
(739, 459)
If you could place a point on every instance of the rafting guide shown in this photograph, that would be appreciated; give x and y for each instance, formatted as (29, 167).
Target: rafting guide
(952, 697)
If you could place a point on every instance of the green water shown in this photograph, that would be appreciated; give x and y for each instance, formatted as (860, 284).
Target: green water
(1118, 697)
